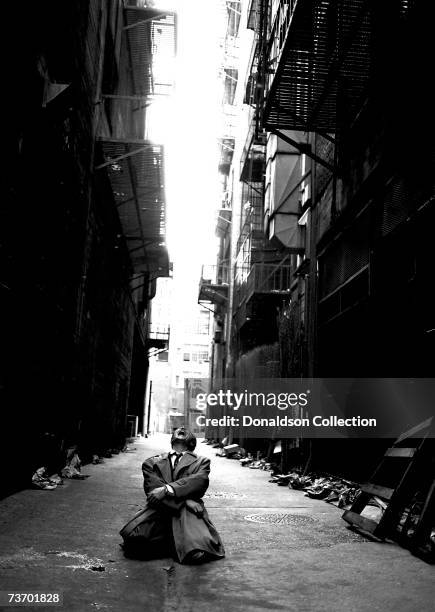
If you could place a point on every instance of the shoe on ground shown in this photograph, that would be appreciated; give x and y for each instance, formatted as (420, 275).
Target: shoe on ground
(196, 557)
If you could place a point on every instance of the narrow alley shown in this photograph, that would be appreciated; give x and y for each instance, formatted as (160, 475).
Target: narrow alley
(284, 551)
(217, 220)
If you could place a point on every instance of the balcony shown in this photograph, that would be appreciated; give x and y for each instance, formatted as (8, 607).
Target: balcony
(127, 157)
(252, 213)
(261, 279)
(251, 82)
(134, 170)
(258, 292)
(158, 337)
(140, 75)
(253, 158)
(268, 279)
(214, 285)
(229, 120)
(318, 52)
(150, 37)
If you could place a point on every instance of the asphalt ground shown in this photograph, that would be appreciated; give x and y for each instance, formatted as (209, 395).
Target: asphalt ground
(284, 551)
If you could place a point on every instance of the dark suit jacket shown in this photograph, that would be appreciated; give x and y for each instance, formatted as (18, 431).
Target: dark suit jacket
(189, 480)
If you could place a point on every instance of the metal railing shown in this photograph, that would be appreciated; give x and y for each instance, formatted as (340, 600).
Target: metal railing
(273, 279)
(268, 278)
(215, 274)
(214, 284)
(281, 15)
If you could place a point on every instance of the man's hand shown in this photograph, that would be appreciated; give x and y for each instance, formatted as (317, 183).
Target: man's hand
(195, 507)
(156, 496)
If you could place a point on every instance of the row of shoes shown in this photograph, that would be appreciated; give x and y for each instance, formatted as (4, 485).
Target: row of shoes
(71, 469)
(245, 461)
(41, 480)
(339, 491)
(257, 464)
(237, 455)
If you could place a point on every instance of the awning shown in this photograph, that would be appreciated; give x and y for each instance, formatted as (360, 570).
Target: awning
(135, 171)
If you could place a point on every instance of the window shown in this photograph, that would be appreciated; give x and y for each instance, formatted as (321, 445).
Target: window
(199, 356)
(200, 325)
(204, 322)
(186, 356)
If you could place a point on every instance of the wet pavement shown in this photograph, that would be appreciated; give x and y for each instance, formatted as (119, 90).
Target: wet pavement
(284, 550)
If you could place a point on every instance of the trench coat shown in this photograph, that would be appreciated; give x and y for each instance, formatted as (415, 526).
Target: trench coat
(190, 532)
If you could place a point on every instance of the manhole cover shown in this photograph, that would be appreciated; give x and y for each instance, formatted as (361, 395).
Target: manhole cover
(279, 519)
(223, 495)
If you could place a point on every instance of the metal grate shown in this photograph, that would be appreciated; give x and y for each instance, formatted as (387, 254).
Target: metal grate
(151, 44)
(320, 59)
(280, 519)
(402, 199)
(136, 178)
(346, 256)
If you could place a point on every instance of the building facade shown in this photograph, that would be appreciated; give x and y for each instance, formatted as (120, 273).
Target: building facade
(83, 226)
(331, 211)
(182, 367)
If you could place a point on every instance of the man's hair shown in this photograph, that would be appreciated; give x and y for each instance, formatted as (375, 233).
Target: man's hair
(188, 438)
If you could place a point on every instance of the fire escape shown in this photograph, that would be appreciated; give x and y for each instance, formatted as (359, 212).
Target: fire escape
(129, 158)
(312, 49)
(215, 280)
(213, 285)
(261, 279)
(346, 74)
(317, 64)
(229, 76)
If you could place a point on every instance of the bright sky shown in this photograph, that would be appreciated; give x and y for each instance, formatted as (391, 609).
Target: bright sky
(188, 124)
(190, 133)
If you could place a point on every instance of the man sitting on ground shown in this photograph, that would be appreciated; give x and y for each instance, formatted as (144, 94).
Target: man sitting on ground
(174, 519)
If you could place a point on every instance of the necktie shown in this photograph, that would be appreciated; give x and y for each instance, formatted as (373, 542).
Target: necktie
(177, 459)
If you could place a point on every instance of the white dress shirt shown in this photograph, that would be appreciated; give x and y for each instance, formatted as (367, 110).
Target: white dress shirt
(173, 456)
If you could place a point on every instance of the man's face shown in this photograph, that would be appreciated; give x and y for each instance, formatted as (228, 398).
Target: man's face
(179, 434)
(178, 439)
(183, 439)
